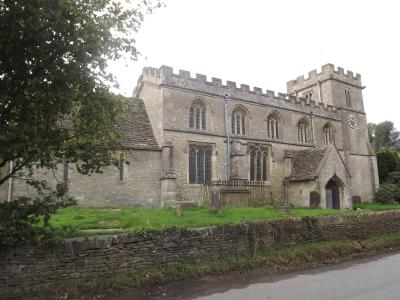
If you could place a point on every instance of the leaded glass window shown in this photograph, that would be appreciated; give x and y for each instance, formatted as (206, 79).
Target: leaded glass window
(200, 163)
(259, 163)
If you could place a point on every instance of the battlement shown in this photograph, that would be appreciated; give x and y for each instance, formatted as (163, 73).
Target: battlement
(328, 71)
(165, 75)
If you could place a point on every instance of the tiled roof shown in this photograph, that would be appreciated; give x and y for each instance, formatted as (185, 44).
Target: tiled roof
(135, 127)
(305, 164)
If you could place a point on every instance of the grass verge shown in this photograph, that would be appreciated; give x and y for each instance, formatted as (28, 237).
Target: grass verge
(267, 262)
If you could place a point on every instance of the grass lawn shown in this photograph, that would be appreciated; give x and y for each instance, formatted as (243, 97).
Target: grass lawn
(377, 206)
(86, 221)
(74, 221)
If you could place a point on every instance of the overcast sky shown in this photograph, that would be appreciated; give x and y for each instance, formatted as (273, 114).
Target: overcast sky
(267, 43)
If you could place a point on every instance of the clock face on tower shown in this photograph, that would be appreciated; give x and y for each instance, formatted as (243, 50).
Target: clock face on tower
(352, 121)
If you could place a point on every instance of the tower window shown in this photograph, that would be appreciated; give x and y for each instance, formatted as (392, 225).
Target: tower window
(348, 97)
(308, 95)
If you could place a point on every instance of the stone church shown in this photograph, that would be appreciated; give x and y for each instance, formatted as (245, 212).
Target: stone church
(185, 131)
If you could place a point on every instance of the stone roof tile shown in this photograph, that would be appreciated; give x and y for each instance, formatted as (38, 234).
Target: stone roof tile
(305, 164)
(135, 127)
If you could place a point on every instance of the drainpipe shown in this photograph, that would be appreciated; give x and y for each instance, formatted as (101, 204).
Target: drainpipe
(228, 143)
(312, 128)
(10, 183)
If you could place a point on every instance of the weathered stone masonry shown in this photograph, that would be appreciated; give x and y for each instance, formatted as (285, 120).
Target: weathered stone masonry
(185, 130)
(104, 256)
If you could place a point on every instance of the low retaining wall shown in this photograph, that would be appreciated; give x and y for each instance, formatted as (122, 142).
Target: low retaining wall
(108, 255)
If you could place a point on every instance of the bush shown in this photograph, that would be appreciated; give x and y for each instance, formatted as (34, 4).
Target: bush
(394, 178)
(388, 193)
(26, 220)
(388, 162)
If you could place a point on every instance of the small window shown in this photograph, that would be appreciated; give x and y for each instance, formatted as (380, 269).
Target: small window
(239, 121)
(121, 168)
(348, 97)
(258, 163)
(200, 163)
(198, 115)
(65, 171)
(308, 95)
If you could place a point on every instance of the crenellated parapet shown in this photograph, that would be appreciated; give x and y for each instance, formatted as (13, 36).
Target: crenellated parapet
(328, 71)
(165, 76)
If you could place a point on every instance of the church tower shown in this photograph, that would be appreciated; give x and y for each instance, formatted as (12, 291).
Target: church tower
(344, 91)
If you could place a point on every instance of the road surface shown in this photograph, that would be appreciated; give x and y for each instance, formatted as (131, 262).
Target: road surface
(373, 279)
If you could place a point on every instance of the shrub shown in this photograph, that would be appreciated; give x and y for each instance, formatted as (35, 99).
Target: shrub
(394, 177)
(26, 220)
(388, 193)
(388, 161)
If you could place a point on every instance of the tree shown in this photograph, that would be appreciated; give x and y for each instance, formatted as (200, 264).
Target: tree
(388, 161)
(389, 191)
(384, 135)
(55, 103)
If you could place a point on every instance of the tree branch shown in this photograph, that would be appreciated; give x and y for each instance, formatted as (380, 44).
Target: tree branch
(12, 173)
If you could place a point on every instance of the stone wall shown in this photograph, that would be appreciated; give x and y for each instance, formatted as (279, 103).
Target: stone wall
(140, 186)
(111, 255)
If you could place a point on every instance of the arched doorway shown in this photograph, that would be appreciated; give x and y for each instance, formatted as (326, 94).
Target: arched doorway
(332, 195)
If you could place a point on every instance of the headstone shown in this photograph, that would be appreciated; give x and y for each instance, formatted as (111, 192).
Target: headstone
(356, 200)
(315, 199)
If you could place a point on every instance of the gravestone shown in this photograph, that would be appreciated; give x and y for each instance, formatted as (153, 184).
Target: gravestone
(315, 199)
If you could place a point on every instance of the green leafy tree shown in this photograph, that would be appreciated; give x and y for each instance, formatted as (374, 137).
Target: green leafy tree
(388, 162)
(384, 135)
(389, 191)
(55, 103)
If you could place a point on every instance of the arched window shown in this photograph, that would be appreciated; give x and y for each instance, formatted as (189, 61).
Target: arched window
(308, 95)
(259, 163)
(303, 131)
(200, 163)
(273, 128)
(329, 134)
(198, 115)
(239, 119)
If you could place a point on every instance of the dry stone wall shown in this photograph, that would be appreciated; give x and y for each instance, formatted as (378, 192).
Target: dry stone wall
(111, 255)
